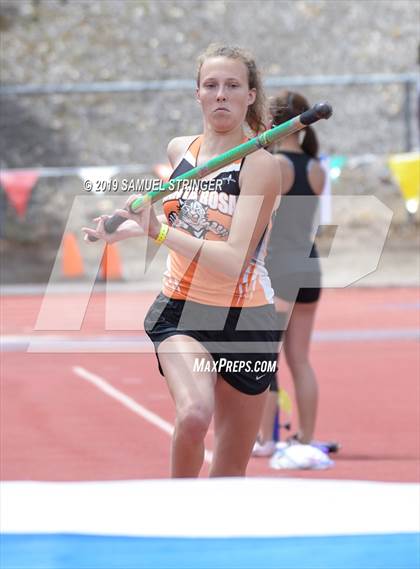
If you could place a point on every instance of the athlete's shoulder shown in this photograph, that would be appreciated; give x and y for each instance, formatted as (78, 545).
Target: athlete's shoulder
(260, 173)
(263, 161)
(315, 164)
(284, 162)
(316, 176)
(177, 148)
(287, 171)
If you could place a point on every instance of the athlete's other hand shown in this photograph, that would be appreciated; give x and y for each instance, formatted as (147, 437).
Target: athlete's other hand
(145, 218)
(126, 230)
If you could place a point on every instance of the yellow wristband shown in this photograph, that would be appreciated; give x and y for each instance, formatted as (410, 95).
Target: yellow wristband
(162, 234)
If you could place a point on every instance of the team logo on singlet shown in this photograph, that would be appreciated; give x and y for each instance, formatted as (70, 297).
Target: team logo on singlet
(193, 217)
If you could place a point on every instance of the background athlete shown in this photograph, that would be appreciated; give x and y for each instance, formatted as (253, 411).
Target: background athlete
(291, 273)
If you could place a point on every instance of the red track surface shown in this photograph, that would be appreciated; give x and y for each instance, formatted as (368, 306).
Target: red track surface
(56, 426)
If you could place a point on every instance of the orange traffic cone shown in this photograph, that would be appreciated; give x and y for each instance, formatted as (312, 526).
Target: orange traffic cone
(71, 261)
(111, 264)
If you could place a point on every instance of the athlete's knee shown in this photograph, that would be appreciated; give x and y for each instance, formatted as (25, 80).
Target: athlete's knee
(296, 357)
(192, 422)
(302, 373)
(298, 363)
(299, 366)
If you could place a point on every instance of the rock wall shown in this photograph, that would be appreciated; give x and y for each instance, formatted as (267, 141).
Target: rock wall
(61, 41)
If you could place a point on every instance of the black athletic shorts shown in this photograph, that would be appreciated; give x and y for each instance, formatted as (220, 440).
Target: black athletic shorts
(243, 342)
(285, 287)
(274, 386)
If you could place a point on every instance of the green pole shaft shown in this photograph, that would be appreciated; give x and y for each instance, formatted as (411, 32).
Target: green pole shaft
(319, 111)
(236, 153)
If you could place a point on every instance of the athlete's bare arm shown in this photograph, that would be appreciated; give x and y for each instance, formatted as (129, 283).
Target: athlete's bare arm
(316, 177)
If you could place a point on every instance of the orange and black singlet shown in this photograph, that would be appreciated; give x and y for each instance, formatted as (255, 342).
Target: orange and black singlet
(207, 214)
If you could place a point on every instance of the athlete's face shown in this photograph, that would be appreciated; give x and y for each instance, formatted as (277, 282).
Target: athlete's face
(224, 93)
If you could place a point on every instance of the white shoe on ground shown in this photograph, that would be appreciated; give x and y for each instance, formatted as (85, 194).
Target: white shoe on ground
(264, 450)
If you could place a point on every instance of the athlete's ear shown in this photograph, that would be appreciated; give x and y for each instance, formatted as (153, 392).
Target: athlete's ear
(252, 95)
(197, 95)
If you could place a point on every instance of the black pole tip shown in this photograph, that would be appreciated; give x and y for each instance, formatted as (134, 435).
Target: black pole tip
(323, 110)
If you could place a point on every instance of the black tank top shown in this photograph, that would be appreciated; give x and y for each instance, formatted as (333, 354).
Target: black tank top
(300, 161)
(292, 236)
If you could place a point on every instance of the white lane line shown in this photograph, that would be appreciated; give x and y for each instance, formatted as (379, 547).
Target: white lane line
(141, 344)
(125, 400)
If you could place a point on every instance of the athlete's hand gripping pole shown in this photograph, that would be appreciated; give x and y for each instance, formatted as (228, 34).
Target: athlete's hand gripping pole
(319, 111)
